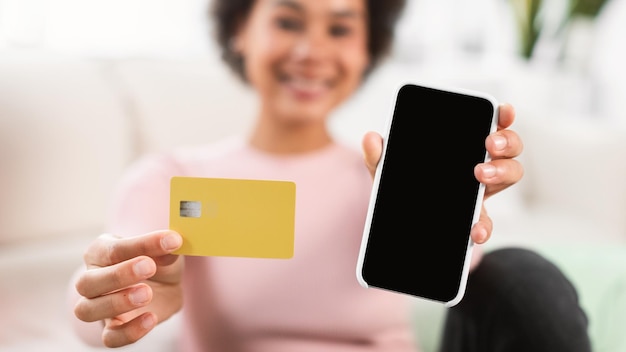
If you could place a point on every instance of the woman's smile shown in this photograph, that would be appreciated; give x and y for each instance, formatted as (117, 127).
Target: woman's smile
(304, 88)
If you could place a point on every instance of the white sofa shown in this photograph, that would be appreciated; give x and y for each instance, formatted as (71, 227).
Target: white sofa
(69, 127)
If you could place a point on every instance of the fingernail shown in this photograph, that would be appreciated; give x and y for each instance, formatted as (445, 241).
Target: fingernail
(142, 268)
(148, 322)
(139, 296)
(488, 170)
(482, 236)
(499, 142)
(171, 242)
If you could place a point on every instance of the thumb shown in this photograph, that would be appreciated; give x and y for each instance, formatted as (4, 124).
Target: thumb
(372, 146)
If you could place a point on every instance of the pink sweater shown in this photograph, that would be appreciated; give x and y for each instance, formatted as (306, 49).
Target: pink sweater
(311, 302)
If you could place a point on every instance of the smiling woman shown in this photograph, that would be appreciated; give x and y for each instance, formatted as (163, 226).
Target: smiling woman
(302, 59)
(380, 31)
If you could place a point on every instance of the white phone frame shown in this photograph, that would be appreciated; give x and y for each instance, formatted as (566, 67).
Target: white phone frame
(379, 167)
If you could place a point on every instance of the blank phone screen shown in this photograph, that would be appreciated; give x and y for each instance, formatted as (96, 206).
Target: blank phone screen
(427, 192)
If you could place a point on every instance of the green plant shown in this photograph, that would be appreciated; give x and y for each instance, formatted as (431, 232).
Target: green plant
(530, 23)
(588, 8)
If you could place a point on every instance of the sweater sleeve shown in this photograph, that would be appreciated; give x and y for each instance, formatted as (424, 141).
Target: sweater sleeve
(140, 204)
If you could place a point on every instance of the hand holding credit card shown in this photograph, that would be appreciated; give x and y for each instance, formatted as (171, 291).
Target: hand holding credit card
(233, 217)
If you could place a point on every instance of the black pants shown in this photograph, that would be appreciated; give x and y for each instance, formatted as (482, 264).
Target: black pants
(516, 301)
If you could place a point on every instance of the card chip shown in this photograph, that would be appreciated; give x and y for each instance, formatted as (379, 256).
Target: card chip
(190, 209)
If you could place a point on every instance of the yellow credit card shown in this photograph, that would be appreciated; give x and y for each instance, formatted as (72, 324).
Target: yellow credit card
(233, 217)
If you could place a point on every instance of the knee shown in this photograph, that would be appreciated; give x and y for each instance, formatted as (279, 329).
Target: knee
(529, 291)
(517, 267)
(524, 280)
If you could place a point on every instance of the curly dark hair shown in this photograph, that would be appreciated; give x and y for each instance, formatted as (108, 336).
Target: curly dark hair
(382, 18)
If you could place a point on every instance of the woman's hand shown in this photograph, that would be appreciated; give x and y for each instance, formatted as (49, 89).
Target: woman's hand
(498, 174)
(131, 284)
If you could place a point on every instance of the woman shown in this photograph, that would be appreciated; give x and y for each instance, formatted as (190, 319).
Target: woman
(303, 58)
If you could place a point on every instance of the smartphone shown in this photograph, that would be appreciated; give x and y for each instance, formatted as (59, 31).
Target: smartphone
(425, 197)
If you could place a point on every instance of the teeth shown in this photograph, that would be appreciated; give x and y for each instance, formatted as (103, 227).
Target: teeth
(307, 84)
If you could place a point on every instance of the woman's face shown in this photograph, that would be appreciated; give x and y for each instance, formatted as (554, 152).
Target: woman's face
(304, 57)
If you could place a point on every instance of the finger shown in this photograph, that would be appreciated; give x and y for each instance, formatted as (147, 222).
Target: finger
(481, 231)
(506, 116)
(118, 334)
(504, 144)
(498, 175)
(114, 304)
(108, 250)
(372, 145)
(96, 282)
(170, 272)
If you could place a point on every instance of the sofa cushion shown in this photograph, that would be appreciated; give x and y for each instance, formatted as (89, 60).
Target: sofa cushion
(577, 166)
(180, 102)
(64, 139)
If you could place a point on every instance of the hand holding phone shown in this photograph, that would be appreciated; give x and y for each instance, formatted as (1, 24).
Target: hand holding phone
(425, 198)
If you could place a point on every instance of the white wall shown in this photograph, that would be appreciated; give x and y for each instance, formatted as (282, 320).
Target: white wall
(118, 28)
(469, 40)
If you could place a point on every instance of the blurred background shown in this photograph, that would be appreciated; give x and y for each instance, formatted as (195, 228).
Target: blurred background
(88, 86)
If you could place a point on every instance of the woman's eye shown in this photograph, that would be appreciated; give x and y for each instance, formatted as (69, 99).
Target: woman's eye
(289, 24)
(339, 31)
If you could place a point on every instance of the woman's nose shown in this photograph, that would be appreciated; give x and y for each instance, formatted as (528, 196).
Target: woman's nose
(313, 44)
